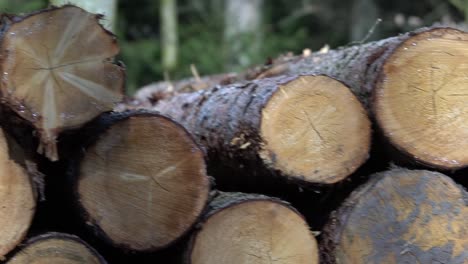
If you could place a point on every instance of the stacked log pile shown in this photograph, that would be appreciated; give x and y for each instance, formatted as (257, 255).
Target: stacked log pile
(231, 168)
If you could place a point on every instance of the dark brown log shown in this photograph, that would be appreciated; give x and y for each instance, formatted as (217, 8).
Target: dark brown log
(414, 83)
(57, 70)
(400, 216)
(17, 194)
(141, 182)
(56, 248)
(307, 129)
(251, 228)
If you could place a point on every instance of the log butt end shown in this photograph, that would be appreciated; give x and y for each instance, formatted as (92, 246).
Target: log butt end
(400, 216)
(420, 98)
(314, 128)
(56, 248)
(143, 183)
(253, 230)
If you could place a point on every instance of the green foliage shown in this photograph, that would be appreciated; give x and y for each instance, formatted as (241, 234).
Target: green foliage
(462, 6)
(141, 59)
(21, 6)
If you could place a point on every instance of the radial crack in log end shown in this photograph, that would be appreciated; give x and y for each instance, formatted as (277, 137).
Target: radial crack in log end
(248, 228)
(315, 127)
(57, 71)
(414, 102)
(56, 248)
(400, 216)
(17, 197)
(142, 183)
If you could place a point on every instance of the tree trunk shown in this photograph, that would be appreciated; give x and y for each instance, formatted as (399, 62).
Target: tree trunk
(168, 21)
(251, 228)
(56, 248)
(243, 32)
(400, 216)
(17, 195)
(361, 26)
(57, 70)
(414, 84)
(307, 129)
(141, 182)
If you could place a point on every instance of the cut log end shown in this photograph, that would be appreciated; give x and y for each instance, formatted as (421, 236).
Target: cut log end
(56, 248)
(57, 71)
(255, 230)
(401, 216)
(17, 198)
(420, 102)
(143, 183)
(316, 128)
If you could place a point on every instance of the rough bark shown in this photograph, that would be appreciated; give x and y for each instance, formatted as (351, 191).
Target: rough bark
(240, 219)
(357, 65)
(140, 171)
(56, 248)
(57, 70)
(240, 126)
(400, 216)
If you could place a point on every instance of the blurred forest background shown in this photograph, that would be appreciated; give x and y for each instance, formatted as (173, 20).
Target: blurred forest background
(160, 40)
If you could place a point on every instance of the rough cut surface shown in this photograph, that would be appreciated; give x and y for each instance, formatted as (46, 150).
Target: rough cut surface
(142, 182)
(56, 248)
(400, 216)
(57, 70)
(250, 228)
(17, 197)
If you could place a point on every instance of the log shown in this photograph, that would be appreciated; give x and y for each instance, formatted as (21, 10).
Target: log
(150, 94)
(56, 248)
(252, 228)
(310, 130)
(57, 70)
(141, 183)
(414, 85)
(17, 195)
(400, 216)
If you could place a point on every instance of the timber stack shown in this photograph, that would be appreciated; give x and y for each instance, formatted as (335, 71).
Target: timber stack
(204, 170)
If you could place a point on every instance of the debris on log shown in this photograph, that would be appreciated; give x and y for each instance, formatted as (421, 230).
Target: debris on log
(141, 182)
(415, 85)
(17, 195)
(400, 216)
(307, 129)
(57, 70)
(56, 248)
(251, 228)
